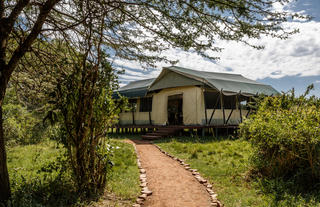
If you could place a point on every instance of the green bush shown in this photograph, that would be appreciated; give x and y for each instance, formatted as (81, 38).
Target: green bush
(18, 123)
(285, 133)
(21, 125)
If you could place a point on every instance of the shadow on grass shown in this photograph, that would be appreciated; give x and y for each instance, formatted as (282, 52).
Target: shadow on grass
(43, 192)
(47, 190)
(48, 193)
(195, 139)
(289, 192)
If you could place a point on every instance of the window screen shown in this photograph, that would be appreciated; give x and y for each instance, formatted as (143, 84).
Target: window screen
(146, 104)
(212, 100)
(230, 102)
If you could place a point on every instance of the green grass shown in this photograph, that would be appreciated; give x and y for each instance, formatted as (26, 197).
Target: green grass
(35, 179)
(225, 163)
(124, 177)
(24, 161)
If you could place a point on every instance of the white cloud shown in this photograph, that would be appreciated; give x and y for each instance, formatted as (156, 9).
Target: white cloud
(298, 55)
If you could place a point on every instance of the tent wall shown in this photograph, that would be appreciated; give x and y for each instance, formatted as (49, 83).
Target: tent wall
(193, 109)
(140, 118)
(192, 105)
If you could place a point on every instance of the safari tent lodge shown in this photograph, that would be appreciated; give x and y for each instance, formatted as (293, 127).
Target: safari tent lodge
(184, 98)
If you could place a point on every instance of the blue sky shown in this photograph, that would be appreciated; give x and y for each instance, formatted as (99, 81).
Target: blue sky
(284, 64)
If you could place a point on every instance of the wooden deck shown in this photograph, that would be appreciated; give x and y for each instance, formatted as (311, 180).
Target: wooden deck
(202, 130)
(178, 126)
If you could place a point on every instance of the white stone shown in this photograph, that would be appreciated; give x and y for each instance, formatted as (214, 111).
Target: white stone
(143, 171)
(143, 196)
(139, 201)
(147, 192)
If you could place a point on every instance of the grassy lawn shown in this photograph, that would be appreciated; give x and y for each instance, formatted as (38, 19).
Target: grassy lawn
(35, 180)
(225, 163)
(124, 177)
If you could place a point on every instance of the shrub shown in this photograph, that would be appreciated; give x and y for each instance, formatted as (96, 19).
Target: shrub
(285, 133)
(20, 124)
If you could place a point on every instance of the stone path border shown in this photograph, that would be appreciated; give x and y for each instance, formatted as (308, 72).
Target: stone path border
(143, 182)
(213, 195)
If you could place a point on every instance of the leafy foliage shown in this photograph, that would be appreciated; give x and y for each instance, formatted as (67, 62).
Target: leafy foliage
(84, 107)
(285, 132)
(21, 125)
(40, 176)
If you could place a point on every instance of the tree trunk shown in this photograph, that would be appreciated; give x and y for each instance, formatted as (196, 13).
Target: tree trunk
(6, 69)
(4, 176)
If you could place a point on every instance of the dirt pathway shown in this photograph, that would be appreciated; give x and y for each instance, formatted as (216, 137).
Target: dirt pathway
(171, 184)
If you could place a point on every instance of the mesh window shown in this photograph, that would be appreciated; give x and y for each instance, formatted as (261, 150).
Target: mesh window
(146, 104)
(212, 99)
(230, 102)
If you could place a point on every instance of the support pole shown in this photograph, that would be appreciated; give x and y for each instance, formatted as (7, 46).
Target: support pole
(133, 122)
(240, 110)
(229, 116)
(248, 113)
(205, 107)
(150, 122)
(222, 106)
(214, 108)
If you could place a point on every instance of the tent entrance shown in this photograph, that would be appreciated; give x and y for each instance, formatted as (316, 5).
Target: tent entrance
(175, 115)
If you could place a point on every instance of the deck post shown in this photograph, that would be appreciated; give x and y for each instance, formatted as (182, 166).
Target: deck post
(240, 110)
(150, 122)
(133, 122)
(222, 106)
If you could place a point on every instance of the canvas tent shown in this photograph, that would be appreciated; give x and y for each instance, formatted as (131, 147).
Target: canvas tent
(181, 96)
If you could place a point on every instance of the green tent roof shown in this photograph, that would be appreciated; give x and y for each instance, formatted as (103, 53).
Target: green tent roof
(229, 83)
(135, 89)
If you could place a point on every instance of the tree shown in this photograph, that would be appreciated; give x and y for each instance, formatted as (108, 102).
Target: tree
(134, 30)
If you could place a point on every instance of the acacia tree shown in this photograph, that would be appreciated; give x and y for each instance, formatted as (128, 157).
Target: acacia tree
(134, 30)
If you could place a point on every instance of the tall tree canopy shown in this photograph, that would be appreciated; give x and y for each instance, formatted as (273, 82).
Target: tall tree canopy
(134, 30)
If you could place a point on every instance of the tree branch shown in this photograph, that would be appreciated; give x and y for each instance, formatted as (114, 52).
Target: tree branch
(22, 49)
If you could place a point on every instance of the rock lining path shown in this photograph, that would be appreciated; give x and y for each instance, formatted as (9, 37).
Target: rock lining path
(171, 184)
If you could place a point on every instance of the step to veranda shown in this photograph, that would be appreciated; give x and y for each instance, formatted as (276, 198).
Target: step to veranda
(150, 137)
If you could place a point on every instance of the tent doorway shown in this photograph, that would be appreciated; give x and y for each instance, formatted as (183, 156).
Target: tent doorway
(175, 115)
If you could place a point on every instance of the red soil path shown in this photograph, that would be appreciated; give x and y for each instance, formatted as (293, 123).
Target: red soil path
(171, 184)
